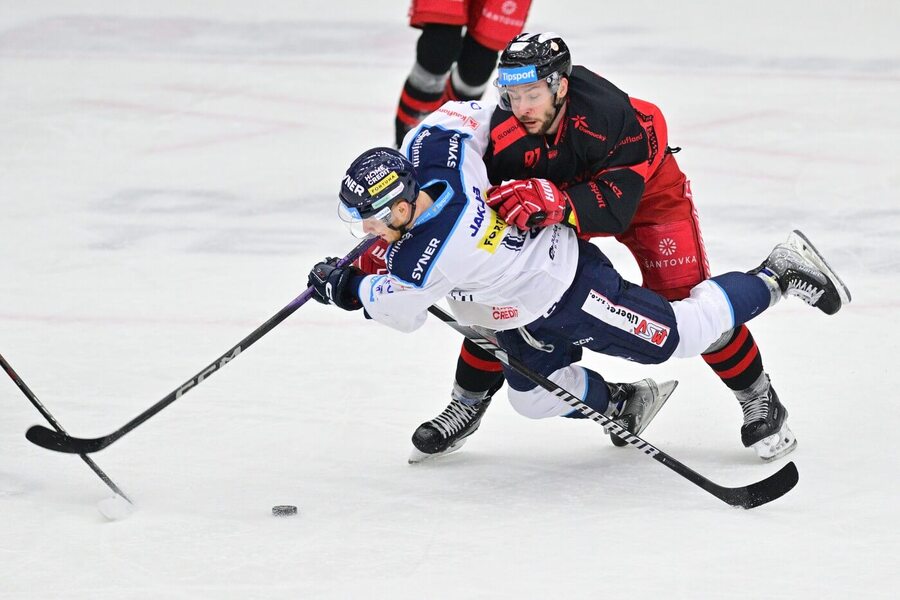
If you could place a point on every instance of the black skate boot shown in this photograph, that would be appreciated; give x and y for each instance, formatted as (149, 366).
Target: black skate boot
(635, 404)
(765, 428)
(795, 268)
(448, 431)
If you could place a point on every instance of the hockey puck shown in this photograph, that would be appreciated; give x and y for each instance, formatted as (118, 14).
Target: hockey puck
(284, 510)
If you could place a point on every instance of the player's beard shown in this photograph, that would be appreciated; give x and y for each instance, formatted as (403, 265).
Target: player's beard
(546, 122)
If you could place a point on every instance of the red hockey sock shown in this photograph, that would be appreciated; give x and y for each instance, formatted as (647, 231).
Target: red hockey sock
(738, 364)
(477, 370)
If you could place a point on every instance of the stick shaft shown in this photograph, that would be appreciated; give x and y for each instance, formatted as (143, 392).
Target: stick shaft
(56, 425)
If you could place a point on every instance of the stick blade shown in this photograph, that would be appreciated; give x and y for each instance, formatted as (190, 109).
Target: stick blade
(762, 492)
(62, 442)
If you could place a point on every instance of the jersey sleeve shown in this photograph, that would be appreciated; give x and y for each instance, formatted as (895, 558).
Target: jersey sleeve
(607, 202)
(398, 304)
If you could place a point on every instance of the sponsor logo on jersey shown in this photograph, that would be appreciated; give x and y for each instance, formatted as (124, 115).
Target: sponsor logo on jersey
(480, 207)
(628, 140)
(615, 189)
(427, 255)
(554, 242)
(416, 147)
(583, 341)
(595, 189)
(383, 183)
(467, 121)
(579, 122)
(453, 151)
(620, 317)
(461, 296)
(495, 229)
(517, 75)
(504, 313)
(394, 249)
(506, 133)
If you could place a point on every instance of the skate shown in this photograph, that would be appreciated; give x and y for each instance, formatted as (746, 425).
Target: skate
(637, 404)
(801, 243)
(448, 431)
(797, 268)
(765, 428)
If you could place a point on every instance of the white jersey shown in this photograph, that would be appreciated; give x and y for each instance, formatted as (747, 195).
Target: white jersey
(492, 274)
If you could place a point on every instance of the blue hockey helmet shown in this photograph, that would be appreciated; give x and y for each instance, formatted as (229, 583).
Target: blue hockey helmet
(375, 181)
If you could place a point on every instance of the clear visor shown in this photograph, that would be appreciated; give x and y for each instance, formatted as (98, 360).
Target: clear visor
(527, 93)
(357, 224)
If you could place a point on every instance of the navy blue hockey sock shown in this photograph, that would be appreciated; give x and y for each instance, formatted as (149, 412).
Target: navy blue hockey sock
(748, 294)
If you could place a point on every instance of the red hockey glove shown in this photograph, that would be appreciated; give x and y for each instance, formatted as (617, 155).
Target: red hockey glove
(528, 203)
(371, 261)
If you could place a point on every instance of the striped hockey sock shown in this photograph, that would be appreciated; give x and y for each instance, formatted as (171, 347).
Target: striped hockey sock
(738, 362)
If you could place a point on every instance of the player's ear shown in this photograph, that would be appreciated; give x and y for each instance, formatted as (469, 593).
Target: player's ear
(563, 88)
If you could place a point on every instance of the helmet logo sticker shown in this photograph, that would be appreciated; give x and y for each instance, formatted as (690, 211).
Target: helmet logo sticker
(354, 187)
(383, 183)
(517, 75)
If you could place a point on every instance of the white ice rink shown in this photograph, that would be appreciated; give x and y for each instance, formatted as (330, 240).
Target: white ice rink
(168, 174)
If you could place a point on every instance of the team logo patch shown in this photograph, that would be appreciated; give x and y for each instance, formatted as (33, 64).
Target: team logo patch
(598, 306)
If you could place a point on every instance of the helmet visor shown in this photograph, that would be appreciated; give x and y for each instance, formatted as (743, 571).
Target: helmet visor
(517, 86)
(362, 226)
(522, 96)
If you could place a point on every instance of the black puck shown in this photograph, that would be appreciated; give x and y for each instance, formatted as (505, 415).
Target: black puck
(284, 510)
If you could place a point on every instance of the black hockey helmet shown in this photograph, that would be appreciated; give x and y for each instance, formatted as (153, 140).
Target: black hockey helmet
(533, 56)
(374, 182)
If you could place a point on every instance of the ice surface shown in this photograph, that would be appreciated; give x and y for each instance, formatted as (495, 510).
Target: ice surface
(168, 173)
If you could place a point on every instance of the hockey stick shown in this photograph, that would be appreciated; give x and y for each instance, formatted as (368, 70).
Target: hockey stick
(46, 413)
(749, 496)
(60, 441)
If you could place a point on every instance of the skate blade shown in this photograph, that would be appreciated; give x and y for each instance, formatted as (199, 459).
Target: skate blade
(417, 456)
(776, 445)
(664, 390)
(800, 242)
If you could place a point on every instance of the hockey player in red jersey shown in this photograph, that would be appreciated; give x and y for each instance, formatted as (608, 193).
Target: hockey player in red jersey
(584, 153)
(455, 54)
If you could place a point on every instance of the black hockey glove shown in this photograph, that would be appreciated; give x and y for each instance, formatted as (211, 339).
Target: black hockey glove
(335, 285)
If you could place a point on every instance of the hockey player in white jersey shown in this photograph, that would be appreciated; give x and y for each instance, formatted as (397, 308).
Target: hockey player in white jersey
(547, 293)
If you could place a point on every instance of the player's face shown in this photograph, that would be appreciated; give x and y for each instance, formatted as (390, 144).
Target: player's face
(532, 104)
(379, 226)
